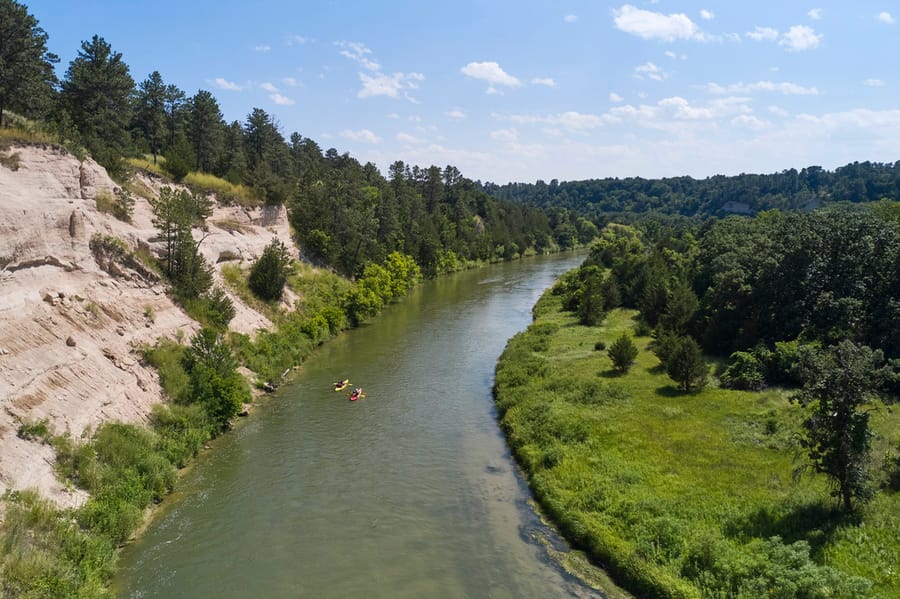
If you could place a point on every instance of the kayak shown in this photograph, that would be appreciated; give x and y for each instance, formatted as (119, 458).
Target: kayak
(358, 394)
(340, 386)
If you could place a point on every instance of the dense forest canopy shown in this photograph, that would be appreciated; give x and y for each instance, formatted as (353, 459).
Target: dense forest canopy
(720, 195)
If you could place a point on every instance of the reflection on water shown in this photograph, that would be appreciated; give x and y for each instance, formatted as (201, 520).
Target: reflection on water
(409, 492)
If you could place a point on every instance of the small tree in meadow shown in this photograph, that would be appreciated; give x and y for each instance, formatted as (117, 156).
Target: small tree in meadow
(623, 353)
(685, 364)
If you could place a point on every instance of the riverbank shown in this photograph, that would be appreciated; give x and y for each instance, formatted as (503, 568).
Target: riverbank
(681, 495)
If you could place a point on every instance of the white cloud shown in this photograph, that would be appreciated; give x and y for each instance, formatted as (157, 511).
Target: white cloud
(505, 135)
(886, 17)
(492, 73)
(799, 38)
(815, 14)
(456, 113)
(268, 87)
(778, 111)
(654, 25)
(874, 82)
(650, 71)
(762, 34)
(359, 53)
(707, 14)
(614, 97)
(570, 18)
(263, 48)
(406, 138)
(549, 82)
(225, 84)
(749, 121)
(573, 121)
(296, 40)
(380, 84)
(364, 135)
(784, 87)
(281, 100)
(290, 81)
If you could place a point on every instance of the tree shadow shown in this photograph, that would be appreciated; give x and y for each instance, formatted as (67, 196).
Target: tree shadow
(671, 391)
(658, 369)
(610, 373)
(814, 523)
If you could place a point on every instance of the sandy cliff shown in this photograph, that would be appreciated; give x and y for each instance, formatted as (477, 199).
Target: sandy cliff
(68, 329)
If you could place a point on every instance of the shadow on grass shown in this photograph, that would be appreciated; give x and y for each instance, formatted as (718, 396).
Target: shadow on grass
(671, 391)
(814, 523)
(610, 373)
(658, 369)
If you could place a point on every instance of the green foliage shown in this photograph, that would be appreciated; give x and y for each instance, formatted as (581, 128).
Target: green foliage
(685, 364)
(682, 498)
(174, 214)
(96, 94)
(268, 275)
(118, 203)
(27, 79)
(623, 352)
(182, 430)
(214, 381)
(744, 372)
(167, 357)
(838, 384)
(35, 431)
(214, 309)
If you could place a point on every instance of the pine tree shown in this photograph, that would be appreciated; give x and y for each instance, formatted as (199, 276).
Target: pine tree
(623, 352)
(269, 274)
(27, 78)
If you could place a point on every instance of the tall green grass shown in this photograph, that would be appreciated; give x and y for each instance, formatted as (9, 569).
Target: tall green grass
(683, 495)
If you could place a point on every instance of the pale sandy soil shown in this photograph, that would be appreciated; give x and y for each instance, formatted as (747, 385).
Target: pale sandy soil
(68, 329)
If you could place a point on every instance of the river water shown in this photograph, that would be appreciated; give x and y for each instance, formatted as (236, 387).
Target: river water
(409, 492)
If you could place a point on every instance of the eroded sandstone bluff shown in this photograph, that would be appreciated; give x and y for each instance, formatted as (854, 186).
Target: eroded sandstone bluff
(70, 325)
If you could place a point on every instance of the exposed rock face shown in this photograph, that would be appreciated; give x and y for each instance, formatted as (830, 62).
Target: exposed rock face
(69, 330)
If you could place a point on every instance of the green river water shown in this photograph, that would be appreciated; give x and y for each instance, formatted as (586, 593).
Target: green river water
(409, 492)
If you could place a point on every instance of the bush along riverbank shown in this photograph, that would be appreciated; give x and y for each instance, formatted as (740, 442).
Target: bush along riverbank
(683, 493)
(50, 552)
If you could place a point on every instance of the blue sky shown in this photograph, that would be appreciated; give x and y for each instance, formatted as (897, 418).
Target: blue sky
(519, 90)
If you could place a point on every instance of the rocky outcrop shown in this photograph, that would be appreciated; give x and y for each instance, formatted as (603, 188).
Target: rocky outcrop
(70, 325)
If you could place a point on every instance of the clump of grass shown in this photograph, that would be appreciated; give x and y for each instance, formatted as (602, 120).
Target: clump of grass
(225, 191)
(147, 164)
(10, 161)
(119, 203)
(35, 431)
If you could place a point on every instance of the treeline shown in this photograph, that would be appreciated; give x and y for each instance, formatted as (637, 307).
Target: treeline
(615, 198)
(346, 214)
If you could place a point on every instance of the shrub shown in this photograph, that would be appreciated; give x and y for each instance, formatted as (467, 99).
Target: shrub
(35, 431)
(685, 364)
(623, 353)
(744, 372)
(269, 274)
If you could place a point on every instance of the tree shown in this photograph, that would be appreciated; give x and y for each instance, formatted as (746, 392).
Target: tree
(206, 127)
(685, 364)
(837, 384)
(151, 118)
(96, 93)
(214, 380)
(623, 352)
(174, 213)
(269, 274)
(27, 78)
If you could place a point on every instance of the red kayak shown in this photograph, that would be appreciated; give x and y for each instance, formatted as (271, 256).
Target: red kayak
(357, 394)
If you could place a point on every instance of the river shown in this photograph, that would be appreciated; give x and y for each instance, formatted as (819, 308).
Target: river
(409, 492)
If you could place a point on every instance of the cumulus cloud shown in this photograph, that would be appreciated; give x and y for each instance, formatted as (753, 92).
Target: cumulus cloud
(707, 14)
(222, 83)
(815, 14)
(614, 97)
(762, 34)
(784, 87)
(364, 135)
(358, 53)
(492, 73)
(799, 38)
(778, 111)
(381, 84)
(650, 71)
(297, 40)
(290, 81)
(654, 25)
(549, 82)
(268, 87)
(263, 48)
(874, 82)
(570, 18)
(573, 121)
(456, 113)
(886, 17)
(281, 100)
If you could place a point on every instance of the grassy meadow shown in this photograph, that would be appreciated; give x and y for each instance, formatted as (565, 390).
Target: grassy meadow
(685, 495)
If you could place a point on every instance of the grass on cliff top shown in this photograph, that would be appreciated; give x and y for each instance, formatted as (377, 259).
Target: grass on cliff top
(225, 191)
(678, 495)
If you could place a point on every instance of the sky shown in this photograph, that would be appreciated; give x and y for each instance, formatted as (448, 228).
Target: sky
(522, 90)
